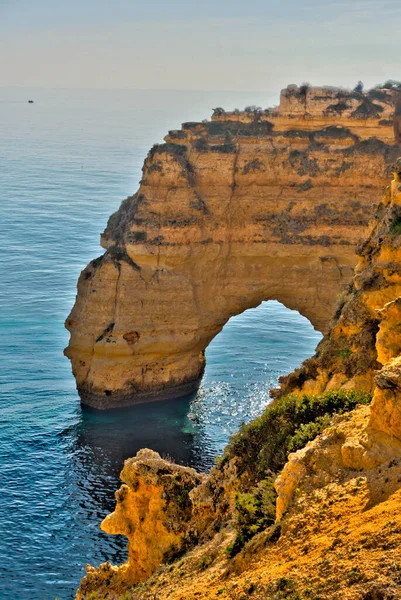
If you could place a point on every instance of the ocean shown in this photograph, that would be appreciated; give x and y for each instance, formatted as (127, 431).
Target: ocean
(66, 163)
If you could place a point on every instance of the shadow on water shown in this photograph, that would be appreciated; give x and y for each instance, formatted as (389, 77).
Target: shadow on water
(109, 437)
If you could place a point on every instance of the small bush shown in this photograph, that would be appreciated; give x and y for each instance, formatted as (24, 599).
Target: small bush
(367, 110)
(205, 562)
(344, 354)
(190, 125)
(255, 511)
(338, 108)
(178, 134)
(378, 95)
(239, 129)
(308, 432)
(395, 228)
(391, 84)
(155, 167)
(201, 145)
(177, 150)
(224, 148)
(253, 109)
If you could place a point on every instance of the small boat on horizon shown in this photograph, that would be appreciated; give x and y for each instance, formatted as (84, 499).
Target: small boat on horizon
(30, 101)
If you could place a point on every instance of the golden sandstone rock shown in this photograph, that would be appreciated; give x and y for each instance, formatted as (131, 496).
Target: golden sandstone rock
(380, 439)
(338, 498)
(365, 332)
(245, 208)
(153, 511)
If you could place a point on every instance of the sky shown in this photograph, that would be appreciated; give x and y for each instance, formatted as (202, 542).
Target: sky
(260, 45)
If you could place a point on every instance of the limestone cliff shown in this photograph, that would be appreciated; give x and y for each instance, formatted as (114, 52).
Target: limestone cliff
(305, 502)
(356, 346)
(249, 206)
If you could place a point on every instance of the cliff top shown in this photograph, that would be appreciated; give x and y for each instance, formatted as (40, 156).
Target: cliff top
(325, 101)
(365, 113)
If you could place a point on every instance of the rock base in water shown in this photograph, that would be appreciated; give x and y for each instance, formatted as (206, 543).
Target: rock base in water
(116, 400)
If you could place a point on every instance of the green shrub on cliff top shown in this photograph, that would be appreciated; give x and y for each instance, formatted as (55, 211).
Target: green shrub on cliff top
(262, 446)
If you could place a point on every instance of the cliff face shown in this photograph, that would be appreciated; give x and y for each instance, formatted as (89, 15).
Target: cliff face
(364, 335)
(333, 529)
(248, 207)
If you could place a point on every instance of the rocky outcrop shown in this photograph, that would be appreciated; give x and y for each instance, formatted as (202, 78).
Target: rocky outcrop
(373, 306)
(248, 207)
(338, 530)
(153, 511)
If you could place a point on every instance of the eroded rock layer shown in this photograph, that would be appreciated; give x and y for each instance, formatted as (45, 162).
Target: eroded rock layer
(248, 207)
(364, 335)
(153, 509)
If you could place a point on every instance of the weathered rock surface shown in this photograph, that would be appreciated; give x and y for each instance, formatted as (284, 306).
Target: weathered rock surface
(338, 518)
(339, 533)
(153, 510)
(245, 208)
(365, 333)
(365, 336)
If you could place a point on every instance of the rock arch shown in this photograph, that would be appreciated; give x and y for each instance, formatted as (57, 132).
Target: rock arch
(229, 213)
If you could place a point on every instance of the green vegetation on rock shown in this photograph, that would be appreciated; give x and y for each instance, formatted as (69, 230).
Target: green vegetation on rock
(262, 446)
(261, 449)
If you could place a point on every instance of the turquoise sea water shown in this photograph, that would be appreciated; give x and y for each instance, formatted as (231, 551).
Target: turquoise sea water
(66, 162)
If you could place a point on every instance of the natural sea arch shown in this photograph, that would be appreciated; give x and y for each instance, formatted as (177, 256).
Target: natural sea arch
(214, 229)
(138, 338)
(242, 363)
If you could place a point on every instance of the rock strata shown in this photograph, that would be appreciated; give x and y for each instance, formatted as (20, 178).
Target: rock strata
(249, 206)
(364, 334)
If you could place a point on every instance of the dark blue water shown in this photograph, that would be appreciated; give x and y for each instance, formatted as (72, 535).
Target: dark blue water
(66, 162)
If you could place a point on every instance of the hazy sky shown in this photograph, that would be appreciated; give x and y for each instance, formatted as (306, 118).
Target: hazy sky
(205, 45)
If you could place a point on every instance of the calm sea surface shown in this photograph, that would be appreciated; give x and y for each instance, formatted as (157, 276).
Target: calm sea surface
(66, 162)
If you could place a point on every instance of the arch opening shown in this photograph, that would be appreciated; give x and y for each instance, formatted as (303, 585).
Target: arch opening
(243, 362)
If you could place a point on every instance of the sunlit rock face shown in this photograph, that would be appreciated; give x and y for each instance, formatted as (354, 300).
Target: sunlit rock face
(362, 350)
(153, 509)
(365, 334)
(248, 207)
(338, 497)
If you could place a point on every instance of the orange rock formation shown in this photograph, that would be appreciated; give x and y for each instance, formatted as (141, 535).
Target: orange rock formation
(152, 510)
(251, 206)
(338, 518)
